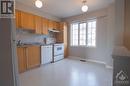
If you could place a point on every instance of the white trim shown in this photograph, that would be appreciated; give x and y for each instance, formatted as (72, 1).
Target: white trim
(91, 60)
(100, 62)
(109, 67)
(96, 61)
(76, 58)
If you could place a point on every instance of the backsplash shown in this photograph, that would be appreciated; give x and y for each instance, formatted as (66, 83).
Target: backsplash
(28, 37)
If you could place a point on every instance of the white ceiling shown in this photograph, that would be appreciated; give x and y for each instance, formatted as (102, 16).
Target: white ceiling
(66, 8)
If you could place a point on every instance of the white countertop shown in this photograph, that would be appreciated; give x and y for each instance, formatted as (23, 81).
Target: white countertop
(121, 51)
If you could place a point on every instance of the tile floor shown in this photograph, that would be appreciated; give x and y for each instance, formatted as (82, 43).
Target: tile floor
(68, 72)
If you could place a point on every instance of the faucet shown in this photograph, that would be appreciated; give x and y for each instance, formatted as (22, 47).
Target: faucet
(18, 42)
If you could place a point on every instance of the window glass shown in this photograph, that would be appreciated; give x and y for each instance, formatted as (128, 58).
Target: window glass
(83, 34)
(91, 34)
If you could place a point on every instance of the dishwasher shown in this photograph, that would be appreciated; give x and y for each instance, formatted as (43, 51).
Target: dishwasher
(46, 54)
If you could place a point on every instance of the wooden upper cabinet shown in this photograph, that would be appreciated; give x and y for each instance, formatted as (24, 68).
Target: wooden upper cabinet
(27, 21)
(24, 20)
(45, 26)
(61, 26)
(17, 18)
(58, 25)
(33, 57)
(50, 24)
(22, 62)
(54, 25)
(38, 25)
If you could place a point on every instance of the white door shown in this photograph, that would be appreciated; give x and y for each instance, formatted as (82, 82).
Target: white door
(46, 54)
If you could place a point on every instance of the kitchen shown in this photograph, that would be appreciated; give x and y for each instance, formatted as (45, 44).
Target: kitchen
(40, 41)
(65, 43)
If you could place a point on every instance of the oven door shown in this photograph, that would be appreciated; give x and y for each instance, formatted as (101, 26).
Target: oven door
(58, 49)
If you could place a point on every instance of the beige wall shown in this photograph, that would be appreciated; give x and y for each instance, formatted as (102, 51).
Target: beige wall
(127, 25)
(119, 29)
(105, 36)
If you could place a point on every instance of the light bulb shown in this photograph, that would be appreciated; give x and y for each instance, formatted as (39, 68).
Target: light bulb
(38, 3)
(84, 8)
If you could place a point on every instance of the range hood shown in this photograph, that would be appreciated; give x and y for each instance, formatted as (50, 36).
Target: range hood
(54, 30)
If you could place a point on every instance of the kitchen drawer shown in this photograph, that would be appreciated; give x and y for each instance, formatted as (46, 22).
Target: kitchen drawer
(59, 57)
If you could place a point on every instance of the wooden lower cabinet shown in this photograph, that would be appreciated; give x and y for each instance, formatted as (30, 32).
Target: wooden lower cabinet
(33, 59)
(22, 62)
(28, 57)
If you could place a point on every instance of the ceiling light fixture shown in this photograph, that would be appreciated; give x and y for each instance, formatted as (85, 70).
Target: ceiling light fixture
(38, 3)
(84, 7)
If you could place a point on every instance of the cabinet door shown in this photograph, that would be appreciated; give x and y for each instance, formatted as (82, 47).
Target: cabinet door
(38, 24)
(60, 36)
(61, 26)
(45, 26)
(50, 24)
(22, 60)
(54, 25)
(17, 19)
(33, 57)
(27, 21)
(58, 25)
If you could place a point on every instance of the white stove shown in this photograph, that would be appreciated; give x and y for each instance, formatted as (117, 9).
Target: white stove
(58, 52)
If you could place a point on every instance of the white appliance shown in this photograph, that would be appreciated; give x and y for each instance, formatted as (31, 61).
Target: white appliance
(58, 52)
(46, 54)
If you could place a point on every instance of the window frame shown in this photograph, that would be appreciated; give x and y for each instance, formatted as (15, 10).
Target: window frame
(71, 41)
(79, 35)
(71, 35)
(95, 33)
(86, 45)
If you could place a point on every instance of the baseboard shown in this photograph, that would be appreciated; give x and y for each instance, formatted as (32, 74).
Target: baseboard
(76, 58)
(96, 61)
(100, 62)
(92, 60)
(109, 67)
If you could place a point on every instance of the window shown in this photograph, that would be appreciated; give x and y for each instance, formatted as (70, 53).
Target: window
(91, 34)
(74, 35)
(83, 34)
(78, 34)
